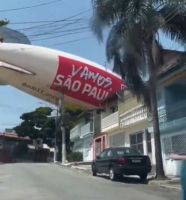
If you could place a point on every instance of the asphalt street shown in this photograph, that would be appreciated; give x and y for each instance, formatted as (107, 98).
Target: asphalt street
(53, 182)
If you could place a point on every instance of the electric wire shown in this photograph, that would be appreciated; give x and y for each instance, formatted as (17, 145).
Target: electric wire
(28, 7)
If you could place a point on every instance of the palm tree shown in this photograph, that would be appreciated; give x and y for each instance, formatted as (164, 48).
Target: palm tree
(133, 44)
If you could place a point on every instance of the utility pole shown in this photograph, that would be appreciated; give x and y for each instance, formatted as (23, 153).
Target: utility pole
(55, 139)
(62, 127)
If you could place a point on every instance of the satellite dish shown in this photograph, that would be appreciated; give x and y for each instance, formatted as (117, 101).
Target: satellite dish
(12, 36)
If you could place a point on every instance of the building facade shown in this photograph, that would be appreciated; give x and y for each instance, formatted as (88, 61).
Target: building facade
(127, 123)
(8, 143)
(82, 137)
(172, 116)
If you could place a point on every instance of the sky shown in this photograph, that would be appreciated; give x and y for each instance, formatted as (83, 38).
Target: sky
(60, 24)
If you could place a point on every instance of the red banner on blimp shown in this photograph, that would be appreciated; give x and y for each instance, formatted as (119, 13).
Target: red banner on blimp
(85, 82)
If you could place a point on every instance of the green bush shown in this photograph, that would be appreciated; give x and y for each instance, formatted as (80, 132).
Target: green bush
(75, 157)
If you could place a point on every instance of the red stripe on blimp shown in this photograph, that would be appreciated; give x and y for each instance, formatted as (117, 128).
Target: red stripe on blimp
(85, 82)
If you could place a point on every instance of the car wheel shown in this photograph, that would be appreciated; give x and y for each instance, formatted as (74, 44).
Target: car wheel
(94, 172)
(112, 174)
(143, 177)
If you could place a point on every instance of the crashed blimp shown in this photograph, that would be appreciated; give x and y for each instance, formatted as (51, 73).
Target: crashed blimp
(46, 73)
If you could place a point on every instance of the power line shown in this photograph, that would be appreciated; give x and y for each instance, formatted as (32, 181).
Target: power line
(60, 31)
(57, 21)
(9, 124)
(70, 41)
(55, 28)
(43, 21)
(28, 7)
(57, 36)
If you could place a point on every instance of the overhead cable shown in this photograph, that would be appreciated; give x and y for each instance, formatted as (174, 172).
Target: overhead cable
(28, 7)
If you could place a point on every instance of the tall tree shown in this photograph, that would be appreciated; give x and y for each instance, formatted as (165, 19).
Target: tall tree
(39, 124)
(133, 44)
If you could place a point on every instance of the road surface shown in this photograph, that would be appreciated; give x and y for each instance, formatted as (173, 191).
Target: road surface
(53, 182)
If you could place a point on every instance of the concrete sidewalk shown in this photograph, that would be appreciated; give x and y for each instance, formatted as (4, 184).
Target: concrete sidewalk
(170, 183)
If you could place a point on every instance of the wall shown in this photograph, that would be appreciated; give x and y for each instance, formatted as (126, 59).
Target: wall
(97, 122)
(88, 148)
(128, 104)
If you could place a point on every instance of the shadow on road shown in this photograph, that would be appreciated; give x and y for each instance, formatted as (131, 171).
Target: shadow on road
(127, 179)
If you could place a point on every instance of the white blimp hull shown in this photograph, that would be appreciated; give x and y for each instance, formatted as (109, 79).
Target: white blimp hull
(46, 73)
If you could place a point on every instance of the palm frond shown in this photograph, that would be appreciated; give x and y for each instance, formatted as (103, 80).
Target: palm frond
(110, 12)
(124, 46)
(175, 27)
(106, 12)
(124, 36)
(115, 38)
(130, 73)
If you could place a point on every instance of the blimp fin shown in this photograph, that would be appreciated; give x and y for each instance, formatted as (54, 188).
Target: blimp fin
(15, 68)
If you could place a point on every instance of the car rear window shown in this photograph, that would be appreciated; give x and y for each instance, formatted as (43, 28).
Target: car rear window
(126, 152)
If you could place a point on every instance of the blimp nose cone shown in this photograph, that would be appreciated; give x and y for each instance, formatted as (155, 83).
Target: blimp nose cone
(37, 60)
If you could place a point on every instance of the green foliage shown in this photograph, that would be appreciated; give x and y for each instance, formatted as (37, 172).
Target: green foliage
(40, 124)
(37, 124)
(71, 118)
(4, 22)
(135, 26)
(75, 157)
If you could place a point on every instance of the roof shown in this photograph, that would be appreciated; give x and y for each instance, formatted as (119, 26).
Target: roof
(12, 135)
(13, 36)
(171, 59)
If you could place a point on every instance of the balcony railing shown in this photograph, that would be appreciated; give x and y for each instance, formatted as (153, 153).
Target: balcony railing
(173, 126)
(172, 118)
(111, 121)
(172, 113)
(75, 132)
(86, 129)
(133, 116)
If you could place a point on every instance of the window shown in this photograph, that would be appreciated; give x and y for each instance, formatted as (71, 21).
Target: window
(148, 138)
(178, 144)
(126, 152)
(136, 141)
(109, 154)
(117, 140)
(103, 154)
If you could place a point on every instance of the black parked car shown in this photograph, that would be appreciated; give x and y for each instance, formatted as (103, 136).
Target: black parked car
(122, 161)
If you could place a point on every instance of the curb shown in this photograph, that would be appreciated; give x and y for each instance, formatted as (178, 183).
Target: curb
(83, 169)
(166, 184)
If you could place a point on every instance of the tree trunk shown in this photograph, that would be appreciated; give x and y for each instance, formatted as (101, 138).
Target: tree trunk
(155, 120)
(154, 112)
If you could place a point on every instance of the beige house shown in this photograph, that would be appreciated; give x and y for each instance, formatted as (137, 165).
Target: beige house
(128, 126)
